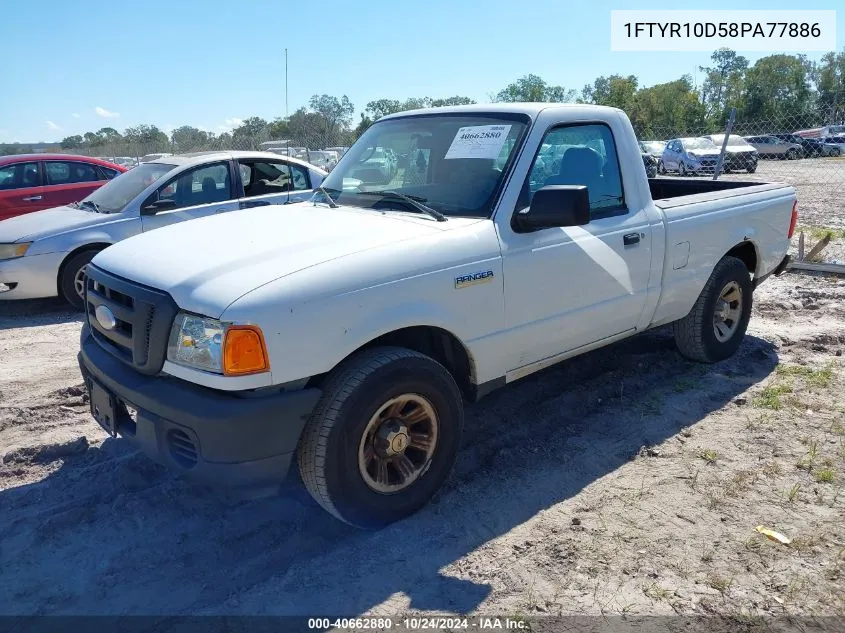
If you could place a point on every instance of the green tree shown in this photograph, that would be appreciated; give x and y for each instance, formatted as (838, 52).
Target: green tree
(778, 92)
(723, 83)
(72, 142)
(187, 138)
(333, 118)
(250, 133)
(534, 88)
(667, 110)
(831, 86)
(615, 90)
(145, 138)
(278, 129)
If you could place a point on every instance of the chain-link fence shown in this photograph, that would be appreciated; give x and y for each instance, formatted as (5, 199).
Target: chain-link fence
(806, 151)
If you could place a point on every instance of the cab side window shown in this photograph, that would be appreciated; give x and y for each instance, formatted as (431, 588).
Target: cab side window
(583, 154)
(203, 185)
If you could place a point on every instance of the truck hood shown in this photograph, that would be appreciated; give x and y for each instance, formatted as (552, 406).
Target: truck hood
(49, 223)
(206, 264)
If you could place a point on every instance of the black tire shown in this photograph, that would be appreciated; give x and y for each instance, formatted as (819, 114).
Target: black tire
(695, 334)
(661, 168)
(751, 168)
(69, 279)
(792, 154)
(834, 152)
(682, 169)
(353, 393)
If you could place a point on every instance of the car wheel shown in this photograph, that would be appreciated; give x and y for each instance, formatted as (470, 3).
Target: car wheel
(751, 168)
(661, 168)
(72, 278)
(383, 438)
(835, 151)
(792, 154)
(716, 325)
(682, 169)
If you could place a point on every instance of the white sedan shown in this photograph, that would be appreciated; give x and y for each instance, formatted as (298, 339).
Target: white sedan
(44, 254)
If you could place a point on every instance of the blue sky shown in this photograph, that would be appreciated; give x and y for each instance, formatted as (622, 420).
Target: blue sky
(79, 66)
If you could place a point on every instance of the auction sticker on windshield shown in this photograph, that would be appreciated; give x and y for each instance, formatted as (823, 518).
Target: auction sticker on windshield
(478, 141)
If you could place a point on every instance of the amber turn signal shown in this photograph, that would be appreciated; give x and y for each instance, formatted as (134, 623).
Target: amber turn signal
(244, 351)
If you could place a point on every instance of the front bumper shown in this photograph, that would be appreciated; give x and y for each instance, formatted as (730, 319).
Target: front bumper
(236, 440)
(30, 276)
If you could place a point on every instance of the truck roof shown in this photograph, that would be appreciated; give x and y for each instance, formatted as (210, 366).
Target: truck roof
(532, 109)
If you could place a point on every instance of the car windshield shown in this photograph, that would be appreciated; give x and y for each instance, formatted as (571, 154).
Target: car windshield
(653, 146)
(452, 163)
(113, 196)
(699, 143)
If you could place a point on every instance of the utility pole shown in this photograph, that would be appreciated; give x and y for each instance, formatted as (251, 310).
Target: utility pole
(286, 83)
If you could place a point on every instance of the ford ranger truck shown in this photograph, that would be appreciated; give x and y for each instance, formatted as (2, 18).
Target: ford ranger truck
(344, 333)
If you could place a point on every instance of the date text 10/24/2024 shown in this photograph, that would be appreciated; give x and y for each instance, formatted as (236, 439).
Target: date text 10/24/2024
(419, 623)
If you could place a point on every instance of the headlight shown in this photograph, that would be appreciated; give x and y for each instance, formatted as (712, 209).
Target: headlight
(692, 155)
(12, 251)
(222, 348)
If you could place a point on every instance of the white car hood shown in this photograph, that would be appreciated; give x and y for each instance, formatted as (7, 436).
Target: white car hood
(208, 263)
(704, 152)
(49, 223)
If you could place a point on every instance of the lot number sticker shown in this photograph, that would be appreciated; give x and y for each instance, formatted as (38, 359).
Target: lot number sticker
(478, 141)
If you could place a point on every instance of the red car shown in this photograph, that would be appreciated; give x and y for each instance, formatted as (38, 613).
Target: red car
(31, 182)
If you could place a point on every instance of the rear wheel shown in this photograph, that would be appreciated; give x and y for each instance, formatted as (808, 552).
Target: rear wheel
(72, 278)
(835, 151)
(792, 154)
(383, 438)
(661, 168)
(716, 325)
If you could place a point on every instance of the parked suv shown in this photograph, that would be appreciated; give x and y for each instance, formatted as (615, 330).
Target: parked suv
(810, 147)
(739, 155)
(31, 182)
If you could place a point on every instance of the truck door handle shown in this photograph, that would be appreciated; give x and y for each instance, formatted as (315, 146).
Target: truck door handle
(31, 198)
(631, 238)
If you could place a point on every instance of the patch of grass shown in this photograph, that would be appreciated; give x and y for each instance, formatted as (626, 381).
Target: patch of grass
(741, 481)
(813, 377)
(819, 232)
(770, 397)
(792, 493)
(719, 583)
(771, 469)
(825, 475)
(656, 592)
(708, 455)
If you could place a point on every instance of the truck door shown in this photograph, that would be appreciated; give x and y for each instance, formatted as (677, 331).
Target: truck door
(568, 287)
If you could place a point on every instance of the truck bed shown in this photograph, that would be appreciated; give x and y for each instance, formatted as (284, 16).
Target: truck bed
(672, 192)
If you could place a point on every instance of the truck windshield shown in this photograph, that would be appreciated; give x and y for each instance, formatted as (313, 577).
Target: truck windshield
(113, 196)
(453, 163)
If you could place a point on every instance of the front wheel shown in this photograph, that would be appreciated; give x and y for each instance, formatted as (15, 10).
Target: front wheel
(682, 170)
(792, 154)
(834, 152)
(72, 278)
(661, 168)
(751, 168)
(716, 325)
(383, 438)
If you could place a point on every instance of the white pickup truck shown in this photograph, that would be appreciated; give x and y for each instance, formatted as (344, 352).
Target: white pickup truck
(346, 331)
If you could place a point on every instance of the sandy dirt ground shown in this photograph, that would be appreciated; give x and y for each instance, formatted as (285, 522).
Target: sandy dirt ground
(624, 482)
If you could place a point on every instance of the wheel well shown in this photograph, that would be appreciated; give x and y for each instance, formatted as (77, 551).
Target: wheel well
(439, 344)
(747, 254)
(97, 246)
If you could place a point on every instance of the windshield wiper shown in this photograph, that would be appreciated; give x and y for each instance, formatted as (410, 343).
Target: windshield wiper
(329, 200)
(414, 201)
(91, 204)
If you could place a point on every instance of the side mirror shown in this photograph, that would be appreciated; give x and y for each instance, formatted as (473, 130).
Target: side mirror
(554, 206)
(154, 206)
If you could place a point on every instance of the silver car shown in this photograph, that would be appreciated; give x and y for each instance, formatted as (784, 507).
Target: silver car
(44, 254)
(772, 147)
